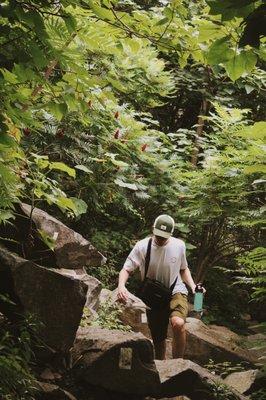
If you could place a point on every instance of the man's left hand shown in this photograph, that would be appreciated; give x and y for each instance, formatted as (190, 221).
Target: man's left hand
(193, 289)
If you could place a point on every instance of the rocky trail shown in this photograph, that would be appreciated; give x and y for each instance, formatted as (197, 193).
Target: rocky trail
(85, 362)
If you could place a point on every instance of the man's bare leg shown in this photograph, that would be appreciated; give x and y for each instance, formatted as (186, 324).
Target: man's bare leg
(160, 350)
(179, 337)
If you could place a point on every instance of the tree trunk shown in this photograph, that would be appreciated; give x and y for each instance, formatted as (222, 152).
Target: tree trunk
(205, 105)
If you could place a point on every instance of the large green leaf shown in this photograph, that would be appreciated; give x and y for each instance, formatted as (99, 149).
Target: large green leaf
(66, 204)
(81, 206)
(119, 163)
(101, 12)
(131, 186)
(240, 64)
(220, 51)
(9, 76)
(63, 167)
(58, 109)
(84, 168)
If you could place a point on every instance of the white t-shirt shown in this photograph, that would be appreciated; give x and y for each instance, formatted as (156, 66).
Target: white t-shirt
(165, 262)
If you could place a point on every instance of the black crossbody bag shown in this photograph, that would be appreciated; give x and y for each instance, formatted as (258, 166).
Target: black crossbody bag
(152, 292)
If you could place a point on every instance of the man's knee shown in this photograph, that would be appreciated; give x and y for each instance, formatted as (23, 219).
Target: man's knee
(178, 324)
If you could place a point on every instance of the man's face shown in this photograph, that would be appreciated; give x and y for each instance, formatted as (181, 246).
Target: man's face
(160, 240)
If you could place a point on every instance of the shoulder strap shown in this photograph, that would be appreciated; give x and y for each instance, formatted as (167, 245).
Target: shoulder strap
(147, 258)
(173, 284)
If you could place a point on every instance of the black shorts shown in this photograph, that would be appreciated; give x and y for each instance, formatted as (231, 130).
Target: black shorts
(158, 319)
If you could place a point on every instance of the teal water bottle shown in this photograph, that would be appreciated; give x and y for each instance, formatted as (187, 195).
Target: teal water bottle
(198, 298)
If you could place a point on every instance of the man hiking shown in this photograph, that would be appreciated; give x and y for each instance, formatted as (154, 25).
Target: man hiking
(167, 264)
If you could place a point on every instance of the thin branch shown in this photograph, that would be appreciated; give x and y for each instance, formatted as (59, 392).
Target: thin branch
(167, 26)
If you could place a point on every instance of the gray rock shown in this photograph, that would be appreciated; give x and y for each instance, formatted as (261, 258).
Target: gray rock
(134, 313)
(183, 377)
(55, 300)
(105, 296)
(48, 391)
(94, 285)
(133, 310)
(71, 249)
(215, 342)
(246, 382)
(115, 360)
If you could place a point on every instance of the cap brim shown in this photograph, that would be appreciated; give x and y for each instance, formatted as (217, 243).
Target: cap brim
(158, 232)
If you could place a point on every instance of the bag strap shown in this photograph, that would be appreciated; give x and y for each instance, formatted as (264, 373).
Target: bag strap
(147, 258)
(173, 284)
(147, 263)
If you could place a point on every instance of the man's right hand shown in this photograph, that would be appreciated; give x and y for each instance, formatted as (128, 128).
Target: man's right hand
(122, 294)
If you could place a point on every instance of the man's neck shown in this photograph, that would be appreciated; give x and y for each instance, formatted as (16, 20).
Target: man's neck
(160, 243)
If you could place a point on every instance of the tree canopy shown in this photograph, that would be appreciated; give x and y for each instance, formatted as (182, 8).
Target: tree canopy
(119, 110)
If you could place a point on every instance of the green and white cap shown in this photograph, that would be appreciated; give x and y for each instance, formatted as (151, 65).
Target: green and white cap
(163, 226)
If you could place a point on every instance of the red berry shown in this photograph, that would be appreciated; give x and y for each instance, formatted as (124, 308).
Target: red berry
(116, 115)
(144, 147)
(117, 134)
(26, 131)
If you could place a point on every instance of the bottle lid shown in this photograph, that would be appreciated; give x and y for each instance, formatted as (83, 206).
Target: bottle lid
(199, 287)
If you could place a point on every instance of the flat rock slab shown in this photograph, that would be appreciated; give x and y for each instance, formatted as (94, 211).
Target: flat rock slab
(117, 361)
(56, 301)
(48, 391)
(247, 382)
(216, 343)
(183, 377)
(71, 249)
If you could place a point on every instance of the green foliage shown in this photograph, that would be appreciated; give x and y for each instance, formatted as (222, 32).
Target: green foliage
(225, 305)
(253, 273)
(105, 104)
(108, 317)
(221, 391)
(16, 379)
(39, 185)
(225, 368)
(107, 274)
(258, 395)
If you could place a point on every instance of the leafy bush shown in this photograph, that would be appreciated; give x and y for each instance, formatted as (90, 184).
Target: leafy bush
(225, 368)
(258, 395)
(107, 275)
(108, 317)
(222, 392)
(16, 379)
(225, 304)
(253, 273)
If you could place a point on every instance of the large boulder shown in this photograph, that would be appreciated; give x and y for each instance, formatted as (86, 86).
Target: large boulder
(134, 313)
(71, 249)
(183, 377)
(56, 301)
(246, 382)
(93, 284)
(115, 360)
(216, 343)
(49, 391)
